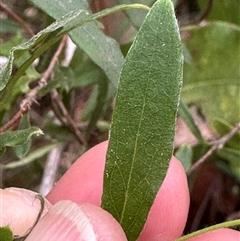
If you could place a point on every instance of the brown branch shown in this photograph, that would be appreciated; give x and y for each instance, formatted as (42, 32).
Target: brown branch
(216, 145)
(55, 96)
(28, 101)
(16, 18)
(56, 111)
(14, 119)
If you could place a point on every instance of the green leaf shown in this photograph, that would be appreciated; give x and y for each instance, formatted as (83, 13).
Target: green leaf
(34, 155)
(6, 234)
(13, 90)
(137, 16)
(16, 138)
(104, 51)
(23, 149)
(8, 26)
(184, 154)
(223, 128)
(212, 80)
(189, 120)
(223, 10)
(233, 157)
(7, 45)
(99, 101)
(85, 70)
(64, 78)
(143, 125)
(39, 43)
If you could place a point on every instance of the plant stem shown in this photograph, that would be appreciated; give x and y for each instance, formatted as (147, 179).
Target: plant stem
(216, 145)
(227, 224)
(30, 98)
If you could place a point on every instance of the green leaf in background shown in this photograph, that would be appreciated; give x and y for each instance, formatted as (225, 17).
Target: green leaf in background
(33, 45)
(185, 114)
(184, 154)
(212, 80)
(34, 155)
(104, 51)
(13, 90)
(233, 157)
(8, 26)
(143, 126)
(86, 73)
(39, 43)
(224, 10)
(95, 105)
(19, 137)
(223, 127)
(23, 149)
(137, 16)
(7, 45)
(6, 234)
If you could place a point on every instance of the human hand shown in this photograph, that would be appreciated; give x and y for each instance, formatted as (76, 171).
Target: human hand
(83, 219)
(83, 183)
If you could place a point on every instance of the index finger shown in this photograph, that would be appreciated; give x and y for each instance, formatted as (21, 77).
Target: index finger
(83, 182)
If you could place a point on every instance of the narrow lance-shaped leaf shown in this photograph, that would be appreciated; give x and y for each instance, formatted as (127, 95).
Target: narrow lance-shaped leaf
(143, 126)
(184, 112)
(32, 156)
(39, 43)
(103, 50)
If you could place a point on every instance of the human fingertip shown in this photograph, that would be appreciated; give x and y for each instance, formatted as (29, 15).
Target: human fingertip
(67, 220)
(83, 182)
(223, 234)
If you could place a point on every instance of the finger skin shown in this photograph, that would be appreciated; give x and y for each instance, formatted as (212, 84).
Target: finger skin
(19, 209)
(223, 234)
(83, 183)
(67, 220)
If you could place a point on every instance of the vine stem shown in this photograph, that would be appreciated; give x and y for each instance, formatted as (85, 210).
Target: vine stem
(42, 203)
(227, 224)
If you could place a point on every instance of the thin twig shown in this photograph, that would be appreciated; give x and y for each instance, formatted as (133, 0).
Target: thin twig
(30, 98)
(56, 111)
(55, 96)
(216, 145)
(14, 119)
(16, 18)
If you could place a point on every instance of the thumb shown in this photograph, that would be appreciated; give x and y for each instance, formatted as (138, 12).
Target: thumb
(68, 221)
